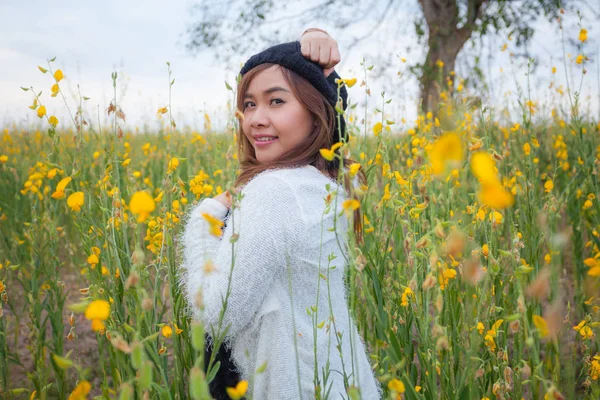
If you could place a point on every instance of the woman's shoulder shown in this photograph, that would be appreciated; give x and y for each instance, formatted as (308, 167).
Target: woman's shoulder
(293, 179)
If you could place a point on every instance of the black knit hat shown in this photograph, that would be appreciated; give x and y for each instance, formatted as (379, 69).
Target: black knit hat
(289, 55)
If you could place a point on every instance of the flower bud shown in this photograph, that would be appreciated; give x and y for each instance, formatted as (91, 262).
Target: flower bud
(147, 304)
(137, 258)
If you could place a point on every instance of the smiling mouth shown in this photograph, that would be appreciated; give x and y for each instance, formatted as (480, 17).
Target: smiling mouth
(260, 143)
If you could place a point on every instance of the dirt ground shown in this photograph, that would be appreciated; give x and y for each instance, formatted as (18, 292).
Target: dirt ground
(84, 346)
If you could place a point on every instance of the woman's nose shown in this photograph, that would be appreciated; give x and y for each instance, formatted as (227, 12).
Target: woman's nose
(259, 117)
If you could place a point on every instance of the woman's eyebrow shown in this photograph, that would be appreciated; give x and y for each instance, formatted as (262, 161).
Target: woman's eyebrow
(270, 90)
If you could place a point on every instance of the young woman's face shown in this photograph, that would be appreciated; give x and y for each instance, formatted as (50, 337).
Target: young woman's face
(271, 109)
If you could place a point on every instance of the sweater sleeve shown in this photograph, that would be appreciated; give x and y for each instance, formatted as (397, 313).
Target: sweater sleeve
(267, 223)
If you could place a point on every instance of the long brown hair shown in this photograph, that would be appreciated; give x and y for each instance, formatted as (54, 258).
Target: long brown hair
(307, 152)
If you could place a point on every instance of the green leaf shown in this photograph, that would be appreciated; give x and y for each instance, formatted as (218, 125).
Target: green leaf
(370, 68)
(227, 86)
(53, 59)
(262, 368)
(86, 98)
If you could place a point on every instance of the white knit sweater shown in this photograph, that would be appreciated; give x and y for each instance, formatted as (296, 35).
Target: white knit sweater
(281, 228)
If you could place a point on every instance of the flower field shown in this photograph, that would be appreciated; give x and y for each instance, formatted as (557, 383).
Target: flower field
(478, 278)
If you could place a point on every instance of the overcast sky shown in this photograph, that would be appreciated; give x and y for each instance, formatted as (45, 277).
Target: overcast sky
(136, 38)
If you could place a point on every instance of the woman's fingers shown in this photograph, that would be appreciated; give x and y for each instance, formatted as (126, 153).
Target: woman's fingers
(305, 48)
(320, 48)
(315, 51)
(335, 58)
(324, 55)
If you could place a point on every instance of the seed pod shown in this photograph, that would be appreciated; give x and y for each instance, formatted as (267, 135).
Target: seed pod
(145, 378)
(198, 385)
(126, 392)
(197, 336)
(137, 355)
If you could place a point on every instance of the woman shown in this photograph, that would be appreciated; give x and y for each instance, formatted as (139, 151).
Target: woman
(275, 278)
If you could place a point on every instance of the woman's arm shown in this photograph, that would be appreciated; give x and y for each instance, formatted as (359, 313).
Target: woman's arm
(267, 224)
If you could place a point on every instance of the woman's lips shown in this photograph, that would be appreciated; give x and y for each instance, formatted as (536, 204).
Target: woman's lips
(264, 143)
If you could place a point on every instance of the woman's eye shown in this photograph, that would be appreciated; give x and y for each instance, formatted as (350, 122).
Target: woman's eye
(246, 104)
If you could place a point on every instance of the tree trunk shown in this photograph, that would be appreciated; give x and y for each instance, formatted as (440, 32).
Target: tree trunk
(445, 41)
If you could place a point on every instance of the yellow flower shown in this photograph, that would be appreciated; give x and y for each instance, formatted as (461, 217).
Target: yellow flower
(98, 325)
(328, 154)
(58, 75)
(440, 63)
(2, 287)
(353, 169)
(586, 332)
(587, 204)
(54, 89)
(595, 369)
(349, 82)
(582, 35)
(141, 204)
(480, 328)
(177, 329)
(485, 250)
(3, 158)
(351, 204)
(215, 224)
(59, 193)
(396, 385)
(593, 265)
(404, 299)
(579, 59)
(53, 121)
(75, 201)
(173, 163)
(162, 110)
(527, 149)
(236, 393)
(98, 309)
(496, 218)
(541, 325)
(166, 331)
(41, 111)
(484, 167)
(377, 128)
(495, 196)
(399, 179)
(81, 391)
(548, 186)
(553, 70)
(446, 148)
(93, 259)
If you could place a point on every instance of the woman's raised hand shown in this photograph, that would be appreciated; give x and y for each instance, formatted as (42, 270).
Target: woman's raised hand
(321, 48)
